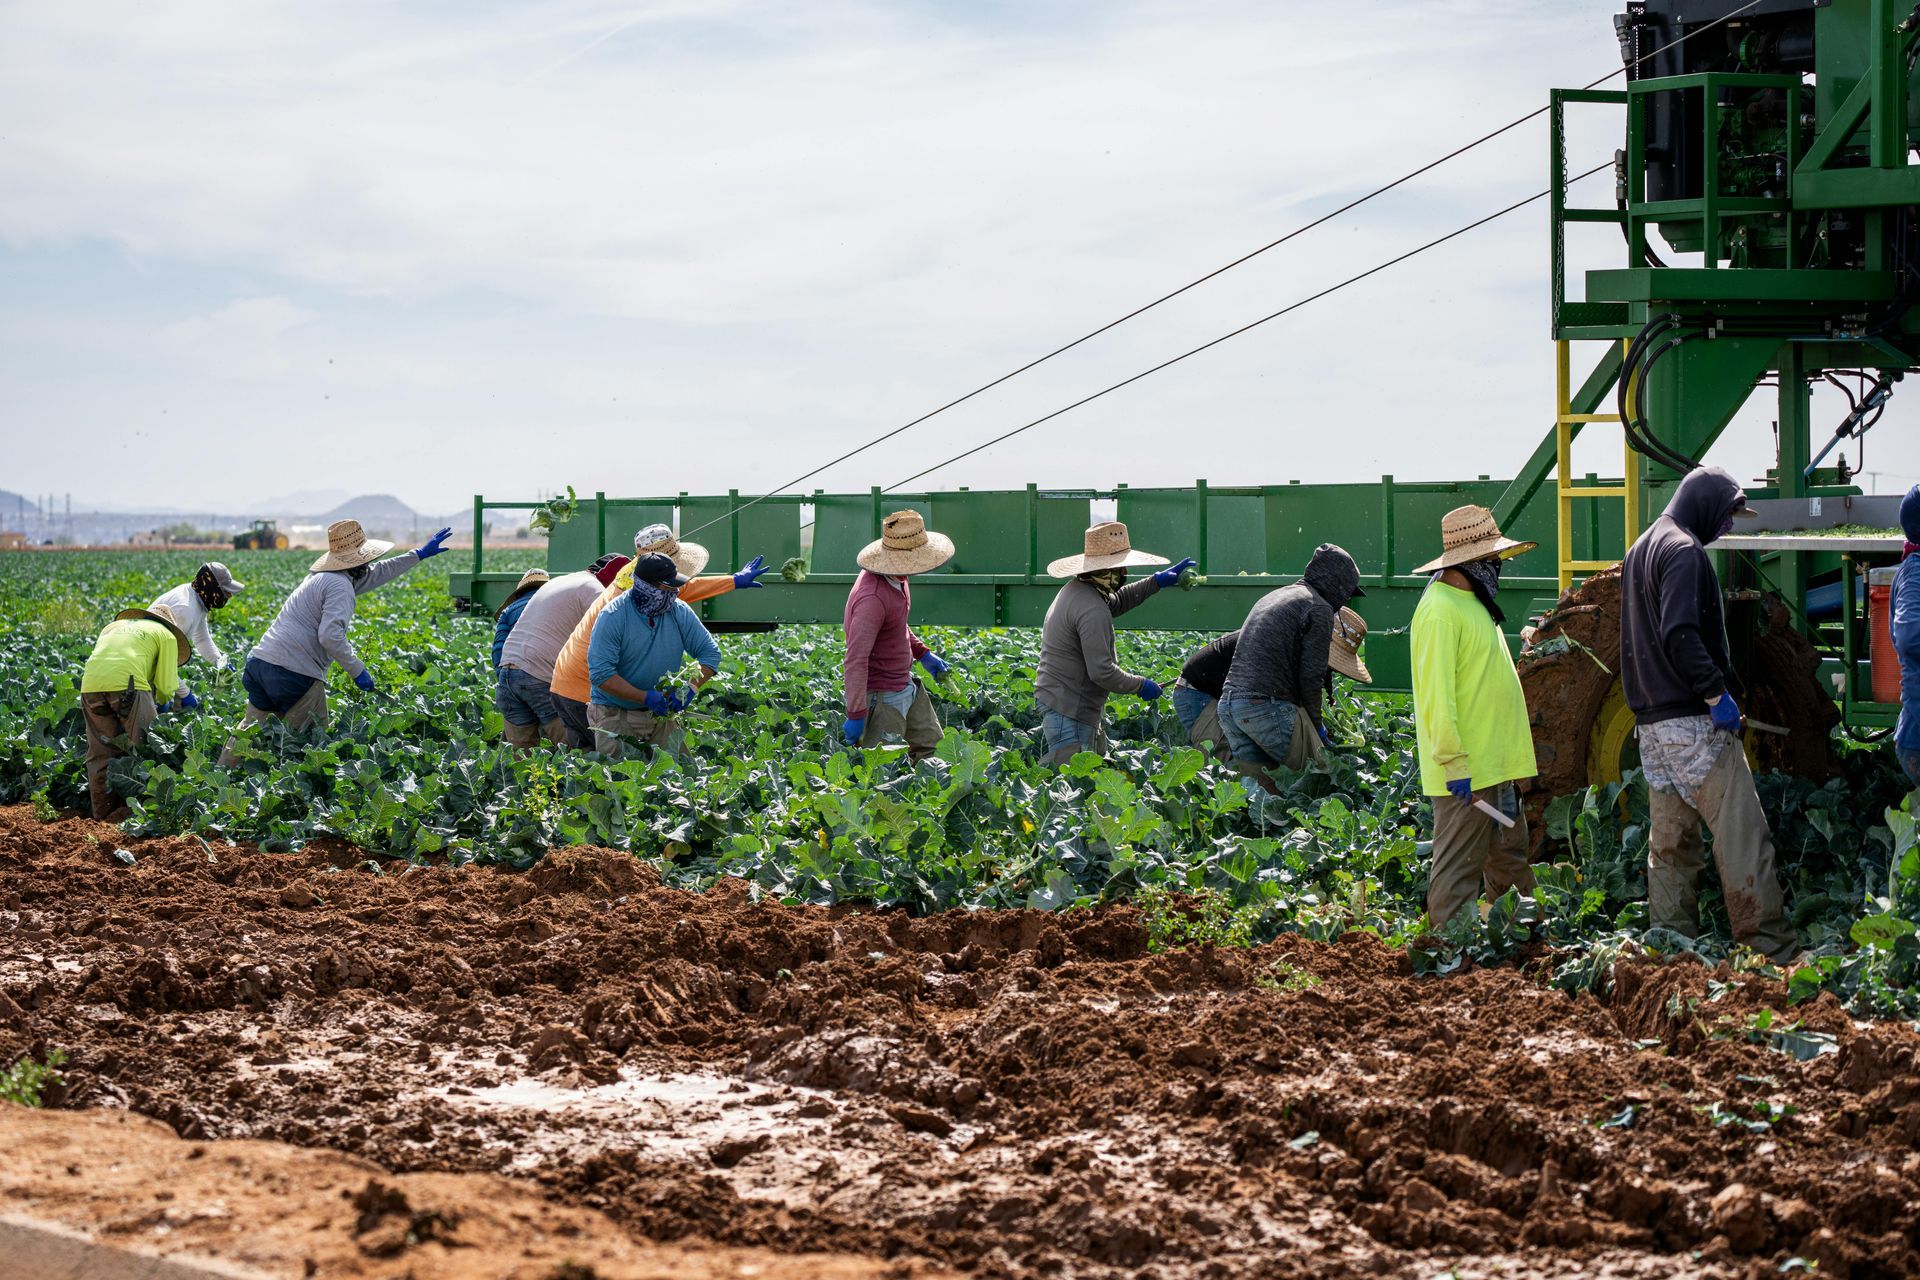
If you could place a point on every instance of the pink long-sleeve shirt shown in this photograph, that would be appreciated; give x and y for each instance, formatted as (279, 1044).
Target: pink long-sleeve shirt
(881, 647)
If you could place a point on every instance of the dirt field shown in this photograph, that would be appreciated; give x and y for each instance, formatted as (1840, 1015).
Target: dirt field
(1009, 1094)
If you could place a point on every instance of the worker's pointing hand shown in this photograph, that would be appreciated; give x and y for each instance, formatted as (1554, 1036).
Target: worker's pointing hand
(750, 575)
(1170, 575)
(434, 545)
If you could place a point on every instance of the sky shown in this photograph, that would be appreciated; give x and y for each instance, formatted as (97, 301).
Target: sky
(437, 249)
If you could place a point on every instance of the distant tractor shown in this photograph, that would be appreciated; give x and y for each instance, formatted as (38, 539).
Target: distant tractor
(265, 535)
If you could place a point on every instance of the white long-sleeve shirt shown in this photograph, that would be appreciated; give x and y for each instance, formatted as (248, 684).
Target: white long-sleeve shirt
(311, 632)
(190, 611)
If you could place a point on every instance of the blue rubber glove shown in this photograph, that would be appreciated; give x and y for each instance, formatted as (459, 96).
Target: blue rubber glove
(1463, 789)
(434, 545)
(750, 576)
(1326, 738)
(1149, 690)
(853, 730)
(188, 702)
(365, 681)
(1726, 714)
(935, 666)
(661, 703)
(1170, 575)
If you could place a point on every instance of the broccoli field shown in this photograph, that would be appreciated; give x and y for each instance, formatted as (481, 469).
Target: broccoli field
(987, 1015)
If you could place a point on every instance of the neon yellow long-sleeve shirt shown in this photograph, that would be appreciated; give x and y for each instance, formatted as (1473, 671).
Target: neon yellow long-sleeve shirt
(137, 650)
(1469, 715)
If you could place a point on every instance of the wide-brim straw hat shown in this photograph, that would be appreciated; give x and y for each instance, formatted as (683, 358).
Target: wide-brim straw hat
(1107, 547)
(1343, 652)
(530, 581)
(906, 546)
(1468, 534)
(656, 539)
(161, 614)
(349, 547)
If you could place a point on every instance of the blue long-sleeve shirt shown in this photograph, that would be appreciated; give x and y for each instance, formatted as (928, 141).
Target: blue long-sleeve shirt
(640, 650)
(1906, 643)
(503, 625)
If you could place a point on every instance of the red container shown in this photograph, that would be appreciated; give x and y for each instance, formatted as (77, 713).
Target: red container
(1885, 662)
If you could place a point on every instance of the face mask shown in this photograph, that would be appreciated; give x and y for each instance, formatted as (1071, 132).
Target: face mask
(357, 574)
(1726, 527)
(1107, 581)
(207, 587)
(1484, 575)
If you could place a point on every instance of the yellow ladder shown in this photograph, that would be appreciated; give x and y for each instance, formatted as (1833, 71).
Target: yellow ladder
(1566, 425)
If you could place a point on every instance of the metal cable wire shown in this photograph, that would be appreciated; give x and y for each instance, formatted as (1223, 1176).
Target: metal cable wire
(1290, 307)
(1301, 230)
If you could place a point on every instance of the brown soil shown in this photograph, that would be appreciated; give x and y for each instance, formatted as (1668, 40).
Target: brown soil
(1566, 690)
(1005, 1093)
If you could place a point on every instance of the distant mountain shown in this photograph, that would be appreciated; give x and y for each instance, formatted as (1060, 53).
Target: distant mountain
(378, 512)
(302, 502)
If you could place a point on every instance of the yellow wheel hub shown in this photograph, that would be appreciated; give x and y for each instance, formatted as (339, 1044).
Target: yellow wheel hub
(1610, 746)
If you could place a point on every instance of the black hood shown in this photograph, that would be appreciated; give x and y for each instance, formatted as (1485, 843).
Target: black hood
(1704, 500)
(1333, 575)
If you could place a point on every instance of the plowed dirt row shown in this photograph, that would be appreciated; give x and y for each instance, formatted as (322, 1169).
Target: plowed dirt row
(1011, 1094)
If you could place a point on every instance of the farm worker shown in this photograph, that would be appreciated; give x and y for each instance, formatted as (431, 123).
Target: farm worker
(286, 674)
(1077, 664)
(133, 673)
(1196, 694)
(211, 588)
(1674, 665)
(1470, 718)
(639, 640)
(571, 689)
(1906, 641)
(510, 609)
(1271, 707)
(521, 691)
(883, 698)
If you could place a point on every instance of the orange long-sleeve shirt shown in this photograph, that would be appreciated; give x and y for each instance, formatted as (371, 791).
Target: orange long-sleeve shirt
(570, 668)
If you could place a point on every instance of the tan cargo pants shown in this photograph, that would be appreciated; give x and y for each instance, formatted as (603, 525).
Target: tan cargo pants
(1742, 846)
(311, 709)
(1207, 735)
(920, 725)
(613, 725)
(111, 719)
(1471, 852)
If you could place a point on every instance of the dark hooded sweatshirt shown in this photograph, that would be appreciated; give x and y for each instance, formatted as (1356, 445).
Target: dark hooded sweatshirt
(1282, 651)
(1673, 635)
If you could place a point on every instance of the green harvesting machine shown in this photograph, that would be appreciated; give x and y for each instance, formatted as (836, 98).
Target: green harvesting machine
(1768, 238)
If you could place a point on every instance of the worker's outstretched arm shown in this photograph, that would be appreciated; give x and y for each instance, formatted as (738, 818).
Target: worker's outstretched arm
(1133, 595)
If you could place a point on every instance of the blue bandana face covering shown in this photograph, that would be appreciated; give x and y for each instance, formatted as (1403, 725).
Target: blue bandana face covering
(653, 602)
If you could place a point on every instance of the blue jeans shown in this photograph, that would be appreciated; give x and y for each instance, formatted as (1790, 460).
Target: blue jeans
(1188, 704)
(523, 699)
(273, 688)
(1066, 736)
(1259, 730)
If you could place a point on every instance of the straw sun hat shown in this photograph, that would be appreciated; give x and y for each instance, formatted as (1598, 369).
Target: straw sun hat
(161, 614)
(349, 547)
(1107, 547)
(1468, 534)
(906, 546)
(530, 581)
(656, 539)
(1343, 653)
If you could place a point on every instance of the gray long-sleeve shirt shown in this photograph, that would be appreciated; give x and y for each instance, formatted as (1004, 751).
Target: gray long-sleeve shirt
(311, 631)
(1077, 665)
(1282, 651)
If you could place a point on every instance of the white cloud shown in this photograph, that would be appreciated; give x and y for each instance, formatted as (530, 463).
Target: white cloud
(240, 340)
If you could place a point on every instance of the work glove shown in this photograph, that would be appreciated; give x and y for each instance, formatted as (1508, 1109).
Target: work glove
(434, 545)
(662, 703)
(1462, 788)
(1726, 714)
(1326, 739)
(1170, 575)
(188, 702)
(935, 666)
(853, 730)
(750, 576)
(1149, 690)
(365, 681)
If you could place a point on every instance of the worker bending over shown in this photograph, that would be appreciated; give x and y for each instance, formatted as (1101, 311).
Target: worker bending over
(1271, 707)
(189, 603)
(1906, 642)
(508, 614)
(1077, 664)
(286, 674)
(1674, 665)
(883, 699)
(133, 674)
(1470, 719)
(522, 692)
(1196, 694)
(638, 642)
(572, 691)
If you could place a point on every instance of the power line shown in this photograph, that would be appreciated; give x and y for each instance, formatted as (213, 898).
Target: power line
(1244, 258)
(1290, 307)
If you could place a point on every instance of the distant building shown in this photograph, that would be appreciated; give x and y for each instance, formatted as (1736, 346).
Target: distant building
(148, 538)
(12, 541)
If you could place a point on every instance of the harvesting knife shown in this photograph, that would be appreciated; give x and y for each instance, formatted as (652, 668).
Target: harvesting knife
(1493, 813)
(1777, 731)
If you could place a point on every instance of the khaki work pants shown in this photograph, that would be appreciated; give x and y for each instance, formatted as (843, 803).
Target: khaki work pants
(115, 722)
(1471, 851)
(1207, 734)
(529, 736)
(920, 726)
(612, 725)
(311, 709)
(1742, 846)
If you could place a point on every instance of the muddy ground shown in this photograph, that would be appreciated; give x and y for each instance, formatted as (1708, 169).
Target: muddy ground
(1007, 1094)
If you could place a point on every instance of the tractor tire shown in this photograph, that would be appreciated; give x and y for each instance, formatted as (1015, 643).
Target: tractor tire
(1582, 728)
